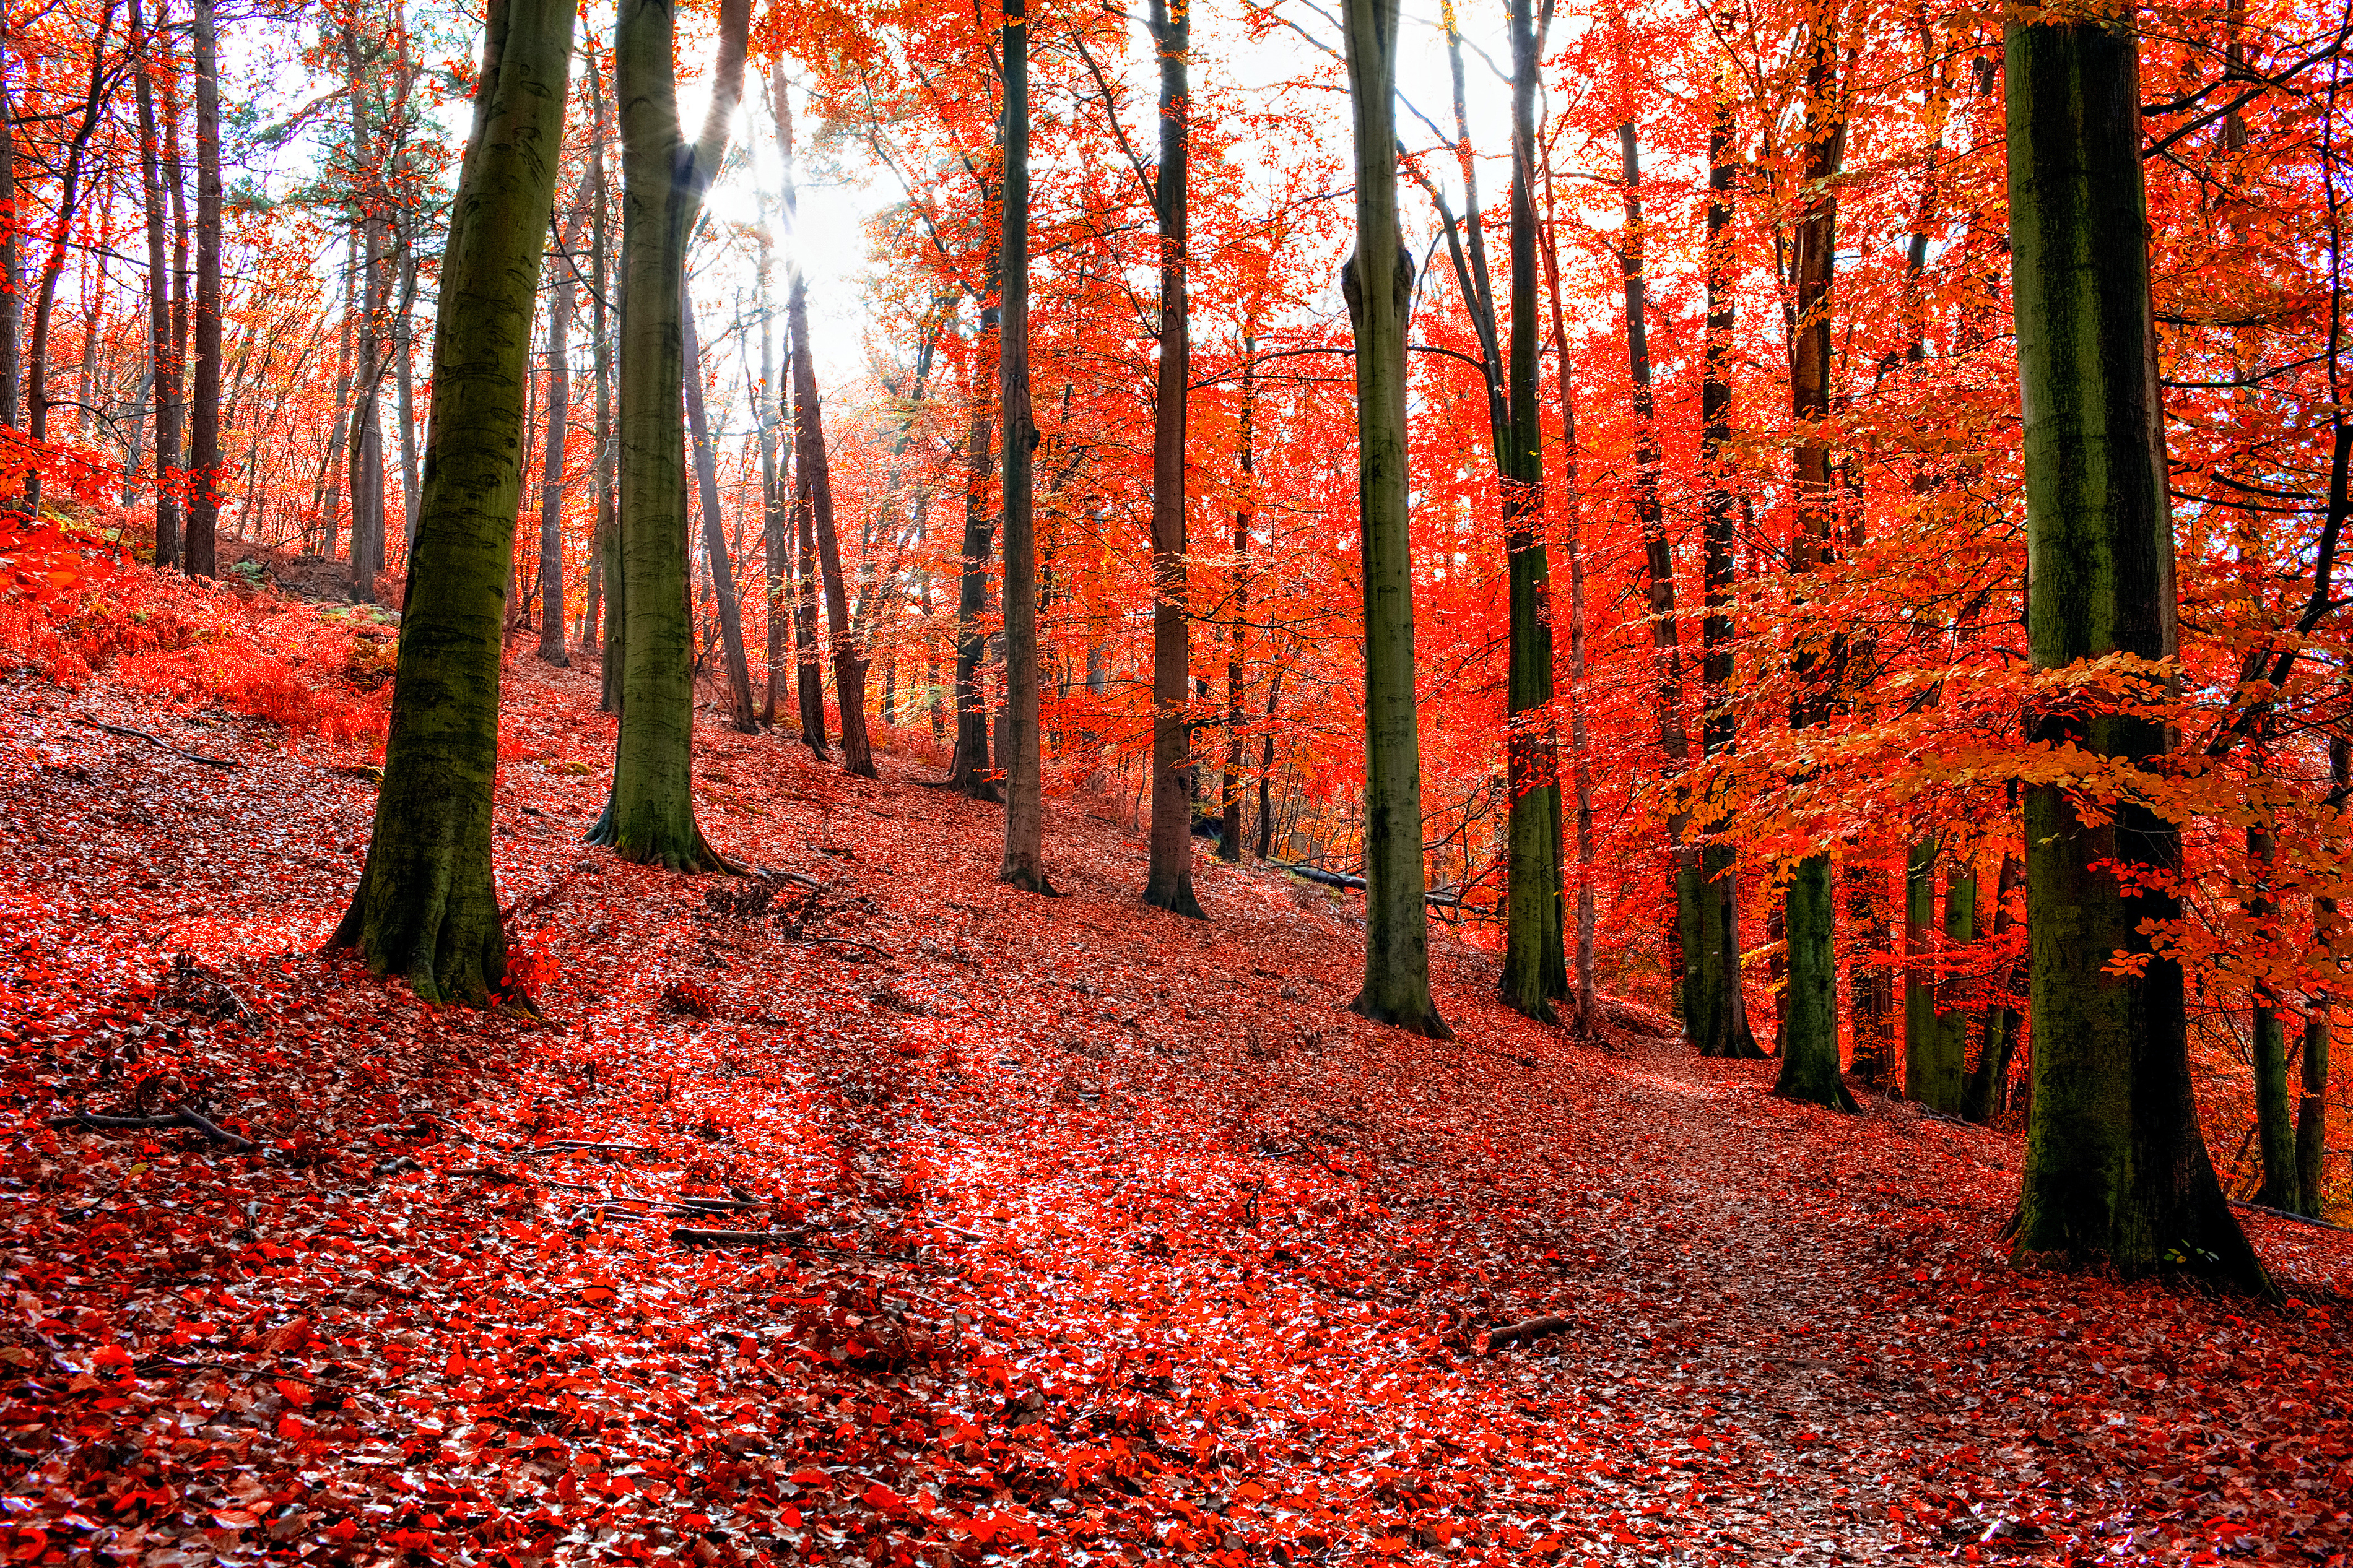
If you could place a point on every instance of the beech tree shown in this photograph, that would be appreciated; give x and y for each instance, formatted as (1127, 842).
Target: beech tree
(425, 907)
(1024, 865)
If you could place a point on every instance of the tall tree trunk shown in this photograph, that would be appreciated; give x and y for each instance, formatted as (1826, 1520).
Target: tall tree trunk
(1580, 750)
(12, 300)
(1713, 999)
(1377, 282)
(44, 293)
(204, 412)
(807, 674)
(1169, 882)
(1023, 864)
(2274, 1120)
(426, 908)
(551, 472)
(2312, 1105)
(1535, 968)
(1952, 994)
(162, 353)
(740, 714)
(650, 818)
(849, 662)
(611, 578)
(1809, 1039)
(1659, 570)
(327, 492)
(768, 400)
(2116, 1167)
(404, 370)
(1982, 1097)
(375, 307)
(1266, 766)
(1925, 1073)
(1869, 990)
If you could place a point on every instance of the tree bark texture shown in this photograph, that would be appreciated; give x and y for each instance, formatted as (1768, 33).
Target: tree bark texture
(425, 907)
(551, 470)
(848, 659)
(1023, 864)
(2116, 1169)
(163, 352)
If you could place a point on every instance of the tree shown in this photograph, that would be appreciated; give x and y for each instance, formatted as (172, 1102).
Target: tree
(161, 349)
(817, 468)
(204, 412)
(1377, 282)
(714, 533)
(425, 907)
(2116, 1167)
(651, 818)
(551, 473)
(1024, 865)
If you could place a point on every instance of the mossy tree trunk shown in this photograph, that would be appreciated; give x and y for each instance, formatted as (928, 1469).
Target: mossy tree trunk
(650, 818)
(425, 907)
(1378, 284)
(2116, 1171)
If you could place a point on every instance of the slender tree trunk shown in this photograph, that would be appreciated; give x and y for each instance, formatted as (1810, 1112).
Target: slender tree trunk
(2312, 1105)
(203, 414)
(425, 907)
(1981, 1097)
(1580, 751)
(2274, 1120)
(808, 673)
(1871, 998)
(373, 239)
(1230, 827)
(1377, 282)
(551, 472)
(45, 294)
(12, 300)
(768, 400)
(611, 576)
(2116, 1167)
(404, 349)
(162, 353)
(1023, 864)
(327, 491)
(740, 713)
(651, 816)
(1952, 994)
(1809, 1039)
(1713, 999)
(1169, 884)
(848, 663)
(1266, 766)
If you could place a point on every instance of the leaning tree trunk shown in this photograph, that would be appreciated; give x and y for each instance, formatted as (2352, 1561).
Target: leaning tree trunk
(848, 664)
(427, 908)
(203, 414)
(2116, 1169)
(650, 818)
(714, 533)
(1377, 282)
(1168, 881)
(1023, 864)
(1809, 1036)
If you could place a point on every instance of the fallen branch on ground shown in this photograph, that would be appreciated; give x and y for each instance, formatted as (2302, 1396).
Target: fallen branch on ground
(695, 1235)
(1535, 1329)
(2283, 1214)
(128, 733)
(204, 1125)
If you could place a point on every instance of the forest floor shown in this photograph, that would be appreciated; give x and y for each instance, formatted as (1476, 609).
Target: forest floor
(1074, 1232)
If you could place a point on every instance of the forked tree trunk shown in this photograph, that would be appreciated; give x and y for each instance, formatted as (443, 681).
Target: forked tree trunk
(1377, 282)
(203, 413)
(2115, 1168)
(1023, 864)
(650, 818)
(714, 533)
(427, 908)
(1168, 880)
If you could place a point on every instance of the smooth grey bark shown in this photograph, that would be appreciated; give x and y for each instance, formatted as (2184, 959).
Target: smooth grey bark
(427, 908)
(2116, 1169)
(1377, 282)
(1024, 863)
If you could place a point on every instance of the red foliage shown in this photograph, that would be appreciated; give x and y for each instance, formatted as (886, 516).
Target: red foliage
(1062, 1227)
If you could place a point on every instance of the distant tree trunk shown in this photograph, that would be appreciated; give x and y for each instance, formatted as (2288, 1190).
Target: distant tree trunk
(768, 400)
(740, 714)
(2312, 1106)
(1230, 827)
(162, 351)
(2274, 1121)
(327, 493)
(1023, 864)
(12, 300)
(1377, 282)
(1169, 882)
(551, 472)
(203, 414)
(2115, 1168)
(807, 674)
(1713, 998)
(612, 577)
(1266, 767)
(1870, 992)
(425, 907)
(849, 662)
(650, 818)
(372, 235)
(403, 338)
(1952, 994)
(1580, 753)
(1982, 1097)
(1925, 1071)
(1659, 571)
(968, 770)
(1809, 1039)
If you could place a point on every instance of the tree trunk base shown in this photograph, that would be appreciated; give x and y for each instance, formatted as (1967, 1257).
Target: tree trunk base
(1833, 1095)
(450, 949)
(1539, 1008)
(1029, 879)
(1424, 1022)
(1176, 901)
(692, 858)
